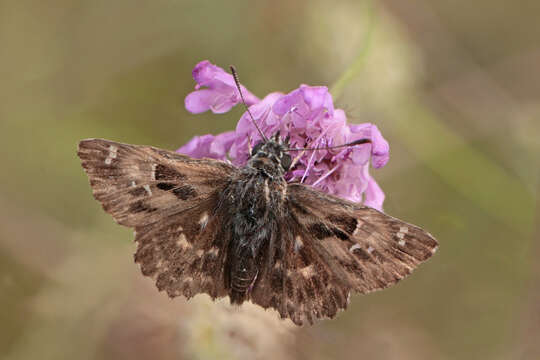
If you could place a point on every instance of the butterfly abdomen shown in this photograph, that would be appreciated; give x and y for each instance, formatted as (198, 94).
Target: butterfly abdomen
(243, 275)
(256, 200)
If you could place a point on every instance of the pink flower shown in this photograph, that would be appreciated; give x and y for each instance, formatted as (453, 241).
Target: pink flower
(308, 117)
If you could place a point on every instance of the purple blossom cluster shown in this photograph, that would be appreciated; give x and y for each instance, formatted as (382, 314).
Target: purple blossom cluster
(307, 115)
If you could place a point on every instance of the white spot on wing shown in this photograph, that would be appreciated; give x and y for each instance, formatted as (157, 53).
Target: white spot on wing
(133, 184)
(113, 151)
(307, 271)
(153, 173)
(182, 242)
(203, 220)
(214, 251)
(147, 188)
(370, 249)
(354, 247)
(402, 231)
(401, 242)
(358, 227)
(298, 243)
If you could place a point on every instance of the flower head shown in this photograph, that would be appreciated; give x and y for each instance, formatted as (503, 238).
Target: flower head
(307, 115)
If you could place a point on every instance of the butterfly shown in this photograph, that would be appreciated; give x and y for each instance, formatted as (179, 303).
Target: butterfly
(206, 226)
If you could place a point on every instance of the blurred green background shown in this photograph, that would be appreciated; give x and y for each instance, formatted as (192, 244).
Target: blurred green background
(454, 87)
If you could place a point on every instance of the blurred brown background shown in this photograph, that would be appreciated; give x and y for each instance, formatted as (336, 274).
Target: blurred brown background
(454, 87)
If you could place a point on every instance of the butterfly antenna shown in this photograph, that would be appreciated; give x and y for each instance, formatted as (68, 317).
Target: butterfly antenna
(235, 76)
(303, 150)
(352, 143)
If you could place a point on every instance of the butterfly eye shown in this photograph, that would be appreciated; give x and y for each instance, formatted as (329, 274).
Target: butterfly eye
(256, 148)
(286, 161)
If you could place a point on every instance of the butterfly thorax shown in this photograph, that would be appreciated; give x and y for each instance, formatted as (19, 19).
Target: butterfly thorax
(270, 159)
(256, 196)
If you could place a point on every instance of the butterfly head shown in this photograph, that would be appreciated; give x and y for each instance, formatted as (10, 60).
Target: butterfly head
(271, 155)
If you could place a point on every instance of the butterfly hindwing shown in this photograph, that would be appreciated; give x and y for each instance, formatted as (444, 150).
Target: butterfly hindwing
(171, 201)
(335, 246)
(297, 281)
(185, 253)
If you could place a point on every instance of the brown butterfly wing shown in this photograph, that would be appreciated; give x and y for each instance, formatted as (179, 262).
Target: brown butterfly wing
(299, 283)
(333, 246)
(139, 185)
(171, 201)
(183, 255)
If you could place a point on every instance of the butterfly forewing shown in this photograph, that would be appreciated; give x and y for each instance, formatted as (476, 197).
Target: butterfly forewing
(139, 185)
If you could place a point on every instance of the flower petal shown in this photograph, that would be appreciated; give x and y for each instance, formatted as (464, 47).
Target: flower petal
(199, 101)
(216, 147)
(221, 93)
(381, 150)
(197, 147)
(374, 195)
(318, 97)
